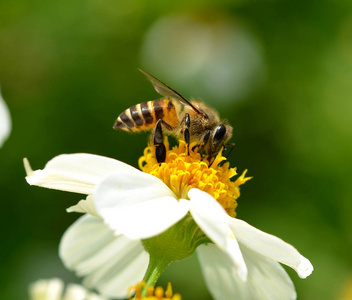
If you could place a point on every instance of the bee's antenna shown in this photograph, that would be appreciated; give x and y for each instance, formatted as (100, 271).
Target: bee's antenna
(232, 145)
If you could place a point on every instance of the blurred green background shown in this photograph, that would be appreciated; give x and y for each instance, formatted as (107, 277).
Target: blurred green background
(279, 71)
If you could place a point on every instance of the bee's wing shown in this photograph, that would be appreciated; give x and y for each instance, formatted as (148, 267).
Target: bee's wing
(168, 92)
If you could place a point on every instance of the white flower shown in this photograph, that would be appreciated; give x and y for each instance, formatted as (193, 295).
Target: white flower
(242, 262)
(52, 289)
(5, 121)
(110, 263)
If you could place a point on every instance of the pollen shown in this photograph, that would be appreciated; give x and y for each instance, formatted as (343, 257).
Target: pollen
(153, 293)
(182, 172)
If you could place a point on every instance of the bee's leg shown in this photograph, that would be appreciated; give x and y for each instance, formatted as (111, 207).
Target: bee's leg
(186, 132)
(167, 126)
(160, 150)
(203, 143)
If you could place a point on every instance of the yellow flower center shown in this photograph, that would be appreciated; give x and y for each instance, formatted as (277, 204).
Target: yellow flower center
(153, 293)
(181, 172)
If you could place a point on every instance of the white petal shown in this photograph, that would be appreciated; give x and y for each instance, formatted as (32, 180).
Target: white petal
(5, 121)
(78, 173)
(46, 289)
(78, 292)
(93, 296)
(212, 220)
(137, 205)
(266, 278)
(85, 206)
(75, 292)
(109, 263)
(270, 246)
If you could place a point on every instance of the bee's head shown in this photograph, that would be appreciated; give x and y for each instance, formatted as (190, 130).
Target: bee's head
(221, 134)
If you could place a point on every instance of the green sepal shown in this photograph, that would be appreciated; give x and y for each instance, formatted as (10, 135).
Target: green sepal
(176, 243)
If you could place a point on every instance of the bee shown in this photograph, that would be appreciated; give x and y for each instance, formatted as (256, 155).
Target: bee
(174, 115)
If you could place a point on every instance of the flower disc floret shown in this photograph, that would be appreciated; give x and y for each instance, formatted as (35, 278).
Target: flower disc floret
(182, 172)
(153, 293)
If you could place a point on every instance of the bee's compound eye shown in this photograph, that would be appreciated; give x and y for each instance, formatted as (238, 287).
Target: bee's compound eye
(219, 133)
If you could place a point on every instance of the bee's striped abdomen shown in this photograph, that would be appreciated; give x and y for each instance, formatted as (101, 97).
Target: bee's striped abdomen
(146, 113)
(144, 116)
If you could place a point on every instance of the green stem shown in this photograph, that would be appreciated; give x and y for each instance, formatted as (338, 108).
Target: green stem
(155, 268)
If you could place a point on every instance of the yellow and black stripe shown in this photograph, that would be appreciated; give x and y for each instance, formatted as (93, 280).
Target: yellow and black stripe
(144, 116)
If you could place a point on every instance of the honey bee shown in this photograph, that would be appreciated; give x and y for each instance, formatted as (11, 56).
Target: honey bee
(174, 115)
